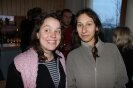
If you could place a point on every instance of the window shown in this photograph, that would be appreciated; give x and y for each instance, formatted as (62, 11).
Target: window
(4, 19)
(109, 11)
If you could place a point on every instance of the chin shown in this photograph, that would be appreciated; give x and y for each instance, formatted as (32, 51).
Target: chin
(52, 48)
(86, 40)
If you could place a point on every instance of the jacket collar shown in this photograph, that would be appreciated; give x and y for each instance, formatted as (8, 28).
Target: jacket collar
(99, 46)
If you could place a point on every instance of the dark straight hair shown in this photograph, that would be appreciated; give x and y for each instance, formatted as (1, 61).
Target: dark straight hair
(90, 13)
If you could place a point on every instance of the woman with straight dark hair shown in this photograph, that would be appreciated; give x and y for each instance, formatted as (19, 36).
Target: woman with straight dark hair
(94, 64)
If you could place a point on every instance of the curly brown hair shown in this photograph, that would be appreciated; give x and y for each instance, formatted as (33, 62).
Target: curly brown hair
(35, 44)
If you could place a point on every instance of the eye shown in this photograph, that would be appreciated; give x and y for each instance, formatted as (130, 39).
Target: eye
(89, 24)
(58, 31)
(46, 30)
(79, 25)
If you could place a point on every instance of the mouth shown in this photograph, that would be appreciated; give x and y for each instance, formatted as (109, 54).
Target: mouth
(51, 41)
(84, 35)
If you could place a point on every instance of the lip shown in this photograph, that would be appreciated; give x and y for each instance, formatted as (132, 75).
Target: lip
(85, 35)
(51, 41)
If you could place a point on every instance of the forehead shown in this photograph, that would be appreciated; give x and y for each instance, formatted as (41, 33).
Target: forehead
(51, 23)
(67, 14)
(84, 17)
(51, 20)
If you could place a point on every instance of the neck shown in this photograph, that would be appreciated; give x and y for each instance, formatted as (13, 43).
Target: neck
(49, 56)
(92, 42)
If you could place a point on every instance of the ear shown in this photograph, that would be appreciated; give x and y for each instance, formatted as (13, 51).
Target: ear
(97, 29)
(37, 35)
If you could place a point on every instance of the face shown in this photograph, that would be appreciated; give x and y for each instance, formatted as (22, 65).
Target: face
(86, 29)
(49, 34)
(67, 16)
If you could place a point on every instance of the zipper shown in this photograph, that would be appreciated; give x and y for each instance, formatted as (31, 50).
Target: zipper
(95, 74)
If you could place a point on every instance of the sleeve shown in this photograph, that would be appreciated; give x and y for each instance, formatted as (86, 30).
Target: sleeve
(121, 73)
(71, 83)
(14, 79)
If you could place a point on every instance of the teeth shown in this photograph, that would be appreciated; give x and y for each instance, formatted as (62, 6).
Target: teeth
(51, 41)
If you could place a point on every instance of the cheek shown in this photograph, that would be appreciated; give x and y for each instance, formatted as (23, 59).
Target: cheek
(59, 37)
(79, 33)
(93, 30)
(39, 35)
(42, 36)
(78, 30)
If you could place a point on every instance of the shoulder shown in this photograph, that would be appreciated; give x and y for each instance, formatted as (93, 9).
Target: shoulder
(75, 51)
(25, 57)
(110, 46)
(127, 53)
(29, 53)
(75, 54)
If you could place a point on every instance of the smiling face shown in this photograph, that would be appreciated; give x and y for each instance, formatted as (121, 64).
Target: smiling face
(50, 34)
(86, 28)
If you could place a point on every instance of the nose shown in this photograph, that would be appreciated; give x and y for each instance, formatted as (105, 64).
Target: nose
(53, 34)
(84, 29)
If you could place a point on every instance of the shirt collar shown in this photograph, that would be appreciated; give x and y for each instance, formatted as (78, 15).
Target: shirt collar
(56, 56)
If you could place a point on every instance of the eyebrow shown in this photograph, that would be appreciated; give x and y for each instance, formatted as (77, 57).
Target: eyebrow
(87, 21)
(51, 27)
(46, 26)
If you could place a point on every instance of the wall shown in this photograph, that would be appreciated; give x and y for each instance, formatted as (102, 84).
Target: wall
(129, 15)
(74, 5)
(20, 7)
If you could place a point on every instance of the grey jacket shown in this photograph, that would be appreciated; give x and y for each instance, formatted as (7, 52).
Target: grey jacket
(108, 71)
